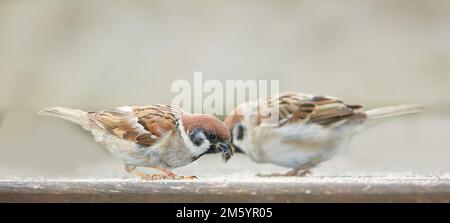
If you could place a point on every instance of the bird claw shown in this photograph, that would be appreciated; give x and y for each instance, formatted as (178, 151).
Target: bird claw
(187, 177)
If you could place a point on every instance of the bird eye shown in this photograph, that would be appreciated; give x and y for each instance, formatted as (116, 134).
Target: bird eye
(212, 136)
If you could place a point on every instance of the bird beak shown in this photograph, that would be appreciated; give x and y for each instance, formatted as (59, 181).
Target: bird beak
(226, 150)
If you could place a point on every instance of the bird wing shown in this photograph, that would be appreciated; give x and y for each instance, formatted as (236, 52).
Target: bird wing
(321, 110)
(143, 125)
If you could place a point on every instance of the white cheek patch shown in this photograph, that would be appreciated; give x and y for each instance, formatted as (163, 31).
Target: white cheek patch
(203, 147)
(195, 150)
(240, 144)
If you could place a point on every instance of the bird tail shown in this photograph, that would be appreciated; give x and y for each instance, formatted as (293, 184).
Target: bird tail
(386, 112)
(74, 115)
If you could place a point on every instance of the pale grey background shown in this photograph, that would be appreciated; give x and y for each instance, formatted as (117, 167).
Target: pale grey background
(99, 54)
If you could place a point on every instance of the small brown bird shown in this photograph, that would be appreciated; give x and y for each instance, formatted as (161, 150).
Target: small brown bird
(162, 137)
(299, 130)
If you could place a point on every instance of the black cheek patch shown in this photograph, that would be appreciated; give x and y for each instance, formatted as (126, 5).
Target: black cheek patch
(196, 140)
(240, 132)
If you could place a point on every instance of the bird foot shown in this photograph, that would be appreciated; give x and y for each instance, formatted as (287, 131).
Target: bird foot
(301, 173)
(187, 177)
(292, 173)
(153, 177)
(150, 177)
(168, 175)
(270, 175)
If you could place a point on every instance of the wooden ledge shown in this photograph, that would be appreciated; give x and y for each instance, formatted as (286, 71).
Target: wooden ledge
(308, 189)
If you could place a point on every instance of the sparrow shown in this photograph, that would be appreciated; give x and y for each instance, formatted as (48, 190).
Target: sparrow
(161, 137)
(299, 131)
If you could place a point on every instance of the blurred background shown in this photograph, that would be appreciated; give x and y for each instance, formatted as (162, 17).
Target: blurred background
(101, 54)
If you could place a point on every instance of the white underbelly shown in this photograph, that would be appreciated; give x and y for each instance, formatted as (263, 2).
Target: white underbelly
(295, 145)
(290, 155)
(127, 151)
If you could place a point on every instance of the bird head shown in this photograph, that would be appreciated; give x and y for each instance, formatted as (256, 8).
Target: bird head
(234, 122)
(208, 134)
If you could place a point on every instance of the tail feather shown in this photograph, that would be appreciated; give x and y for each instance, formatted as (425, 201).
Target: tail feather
(385, 112)
(74, 115)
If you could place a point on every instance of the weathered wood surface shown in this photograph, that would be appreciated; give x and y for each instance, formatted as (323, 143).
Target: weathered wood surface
(309, 189)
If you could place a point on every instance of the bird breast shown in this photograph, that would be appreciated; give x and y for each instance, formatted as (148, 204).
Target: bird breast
(165, 153)
(292, 145)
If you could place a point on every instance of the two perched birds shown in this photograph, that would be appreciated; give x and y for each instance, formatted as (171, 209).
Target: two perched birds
(292, 130)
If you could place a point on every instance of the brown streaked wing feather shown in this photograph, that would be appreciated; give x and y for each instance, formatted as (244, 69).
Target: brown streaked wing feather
(332, 112)
(143, 126)
(319, 109)
(156, 119)
(291, 107)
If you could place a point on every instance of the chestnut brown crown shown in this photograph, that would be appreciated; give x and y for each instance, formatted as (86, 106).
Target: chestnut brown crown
(208, 123)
